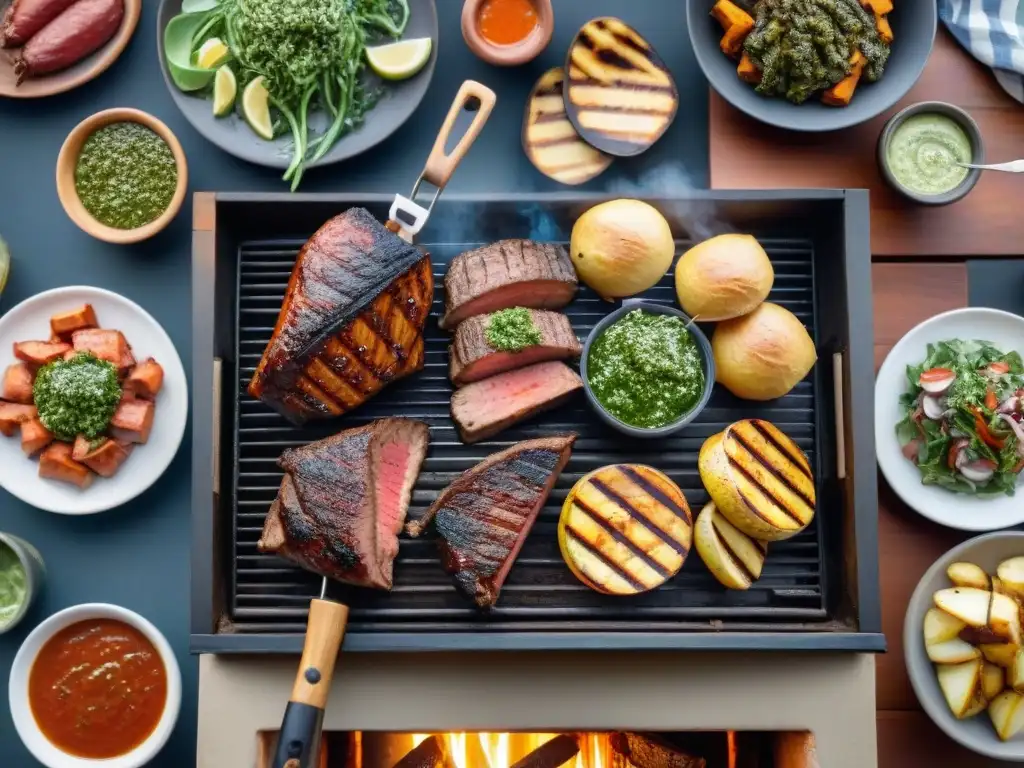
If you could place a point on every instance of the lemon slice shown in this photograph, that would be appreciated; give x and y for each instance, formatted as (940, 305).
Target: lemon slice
(256, 108)
(225, 89)
(212, 53)
(397, 61)
(5, 264)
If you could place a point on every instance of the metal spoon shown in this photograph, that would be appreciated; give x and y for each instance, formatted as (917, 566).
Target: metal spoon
(1014, 166)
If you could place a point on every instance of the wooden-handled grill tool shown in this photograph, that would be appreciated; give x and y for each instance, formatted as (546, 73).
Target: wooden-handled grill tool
(298, 743)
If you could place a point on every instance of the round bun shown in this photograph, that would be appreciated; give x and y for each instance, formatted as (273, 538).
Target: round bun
(724, 277)
(763, 355)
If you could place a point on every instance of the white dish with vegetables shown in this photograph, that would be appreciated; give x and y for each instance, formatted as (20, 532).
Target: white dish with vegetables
(949, 419)
(94, 404)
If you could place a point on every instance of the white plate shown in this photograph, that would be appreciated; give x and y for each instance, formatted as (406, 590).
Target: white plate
(956, 510)
(30, 320)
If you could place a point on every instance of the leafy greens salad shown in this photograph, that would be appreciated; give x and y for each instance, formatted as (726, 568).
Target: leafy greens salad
(301, 56)
(962, 417)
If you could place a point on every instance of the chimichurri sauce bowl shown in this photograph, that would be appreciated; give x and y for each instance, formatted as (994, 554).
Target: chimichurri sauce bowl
(647, 398)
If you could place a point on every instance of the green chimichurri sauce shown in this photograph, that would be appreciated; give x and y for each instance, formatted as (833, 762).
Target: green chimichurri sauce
(512, 330)
(646, 369)
(923, 153)
(12, 584)
(77, 396)
(125, 175)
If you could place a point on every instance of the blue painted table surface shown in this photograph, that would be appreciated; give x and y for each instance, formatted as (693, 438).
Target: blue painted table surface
(138, 556)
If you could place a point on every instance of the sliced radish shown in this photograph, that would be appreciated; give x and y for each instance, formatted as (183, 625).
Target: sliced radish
(932, 408)
(1009, 405)
(979, 471)
(1018, 429)
(911, 449)
(936, 380)
(998, 368)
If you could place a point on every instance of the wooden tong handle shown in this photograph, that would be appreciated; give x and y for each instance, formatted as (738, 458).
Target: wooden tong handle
(440, 166)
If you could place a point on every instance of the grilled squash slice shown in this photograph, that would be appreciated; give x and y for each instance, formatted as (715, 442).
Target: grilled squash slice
(624, 529)
(550, 140)
(759, 479)
(733, 558)
(620, 95)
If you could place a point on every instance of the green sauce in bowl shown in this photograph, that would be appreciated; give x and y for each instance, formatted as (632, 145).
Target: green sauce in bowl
(924, 151)
(13, 585)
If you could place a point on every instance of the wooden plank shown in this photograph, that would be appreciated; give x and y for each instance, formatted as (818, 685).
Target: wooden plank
(911, 740)
(746, 154)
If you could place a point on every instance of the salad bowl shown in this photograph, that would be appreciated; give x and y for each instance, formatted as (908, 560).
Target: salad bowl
(952, 488)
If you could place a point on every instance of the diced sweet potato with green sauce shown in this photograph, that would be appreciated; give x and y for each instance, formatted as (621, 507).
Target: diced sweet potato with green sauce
(132, 420)
(39, 353)
(747, 70)
(103, 455)
(109, 345)
(13, 415)
(64, 324)
(729, 15)
(884, 29)
(878, 7)
(55, 463)
(145, 379)
(18, 379)
(840, 94)
(34, 437)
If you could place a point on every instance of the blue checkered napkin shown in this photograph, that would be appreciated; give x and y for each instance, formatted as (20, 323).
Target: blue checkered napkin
(993, 31)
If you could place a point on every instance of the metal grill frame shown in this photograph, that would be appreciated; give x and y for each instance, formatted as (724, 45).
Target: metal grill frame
(848, 617)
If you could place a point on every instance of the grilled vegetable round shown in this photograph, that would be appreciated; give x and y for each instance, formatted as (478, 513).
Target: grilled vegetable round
(759, 479)
(625, 529)
(733, 558)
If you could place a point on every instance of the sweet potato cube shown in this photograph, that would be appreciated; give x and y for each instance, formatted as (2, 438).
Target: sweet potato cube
(64, 324)
(840, 94)
(39, 353)
(34, 437)
(877, 7)
(145, 379)
(884, 29)
(13, 415)
(102, 456)
(55, 463)
(729, 15)
(132, 420)
(105, 344)
(18, 380)
(747, 70)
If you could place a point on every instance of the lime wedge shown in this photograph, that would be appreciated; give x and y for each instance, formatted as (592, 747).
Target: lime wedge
(212, 53)
(5, 264)
(397, 61)
(225, 89)
(256, 108)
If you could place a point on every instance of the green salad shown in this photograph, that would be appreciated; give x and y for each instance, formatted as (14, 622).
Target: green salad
(962, 417)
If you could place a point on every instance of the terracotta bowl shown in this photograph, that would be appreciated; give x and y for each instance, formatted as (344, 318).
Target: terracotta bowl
(508, 55)
(68, 159)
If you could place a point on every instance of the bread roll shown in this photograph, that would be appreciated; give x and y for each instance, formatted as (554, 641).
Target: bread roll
(763, 355)
(724, 277)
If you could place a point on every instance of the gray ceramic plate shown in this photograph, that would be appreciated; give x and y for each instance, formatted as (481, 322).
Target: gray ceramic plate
(232, 134)
(913, 23)
(976, 733)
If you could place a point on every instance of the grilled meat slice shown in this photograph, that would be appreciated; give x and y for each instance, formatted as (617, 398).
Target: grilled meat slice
(471, 357)
(509, 273)
(485, 408)
(351, 322)
(343, 501)
(484, 517)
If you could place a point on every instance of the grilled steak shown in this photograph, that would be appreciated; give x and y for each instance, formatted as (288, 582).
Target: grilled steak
(471, 357)
(509, 273)
(484, 408)
(483, 518)
(343, 501)
(351, 322)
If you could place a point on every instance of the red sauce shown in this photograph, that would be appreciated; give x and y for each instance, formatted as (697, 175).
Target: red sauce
(97, 689)
(506, 22)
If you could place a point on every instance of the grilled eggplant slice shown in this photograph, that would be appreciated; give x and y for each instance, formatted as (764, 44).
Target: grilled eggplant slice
(759, 479)
(550, 140)
(619, 95)
(733, 558)
(625, 529)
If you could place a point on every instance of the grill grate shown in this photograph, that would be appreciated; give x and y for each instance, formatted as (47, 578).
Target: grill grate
(268, 595)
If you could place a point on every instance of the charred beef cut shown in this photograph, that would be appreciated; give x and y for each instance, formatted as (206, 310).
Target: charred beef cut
(343, 501)
(484, 517)
(485, 408)
(509, 273)
(351, 322)
(471, 357)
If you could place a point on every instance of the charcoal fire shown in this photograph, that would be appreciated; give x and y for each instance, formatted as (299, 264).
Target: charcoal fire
(648, 751)
(553, 754)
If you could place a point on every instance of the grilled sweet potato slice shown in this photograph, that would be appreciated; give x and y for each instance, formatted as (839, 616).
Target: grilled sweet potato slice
(106, 344)
(34, 436)
(132, 420)
(63, 324)
(12, 415)
(18, 380)
(55, 463)
(39, 353)
(103, 456)
(145, 379)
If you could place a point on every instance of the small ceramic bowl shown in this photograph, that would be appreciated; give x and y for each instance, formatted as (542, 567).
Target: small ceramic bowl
(21, 712)
(68, 159)
(513, 54)
(962, 119)
(706, 357)
(35, 571)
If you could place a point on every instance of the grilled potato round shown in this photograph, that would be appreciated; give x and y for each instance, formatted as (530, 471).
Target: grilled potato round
(759, 479)
(733, 558)
(624, 529)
